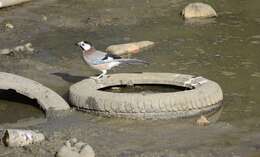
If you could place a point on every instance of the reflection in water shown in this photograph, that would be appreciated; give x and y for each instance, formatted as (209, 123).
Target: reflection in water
(14, 107)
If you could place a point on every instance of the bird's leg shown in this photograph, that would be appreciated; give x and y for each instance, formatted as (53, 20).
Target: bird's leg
(104, 72)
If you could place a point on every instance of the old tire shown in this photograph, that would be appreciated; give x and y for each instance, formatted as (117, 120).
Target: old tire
(204, 96)
(46, 98)
(7, 3)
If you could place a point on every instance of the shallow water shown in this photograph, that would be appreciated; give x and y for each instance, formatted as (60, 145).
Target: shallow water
(225, 49)
(144, 89)
(14, 107)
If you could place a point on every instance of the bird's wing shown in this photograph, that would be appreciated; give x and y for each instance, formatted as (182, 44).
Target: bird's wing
(99, 57)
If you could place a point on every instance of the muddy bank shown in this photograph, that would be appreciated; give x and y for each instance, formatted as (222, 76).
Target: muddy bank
(117, 137)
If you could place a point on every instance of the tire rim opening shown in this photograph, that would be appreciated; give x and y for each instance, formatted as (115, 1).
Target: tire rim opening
(15, 107)
(144, 88)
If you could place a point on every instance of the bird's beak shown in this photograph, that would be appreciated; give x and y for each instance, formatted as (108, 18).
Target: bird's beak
(77, 44)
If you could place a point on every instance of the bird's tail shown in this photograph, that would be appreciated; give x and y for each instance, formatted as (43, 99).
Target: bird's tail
(132, 61)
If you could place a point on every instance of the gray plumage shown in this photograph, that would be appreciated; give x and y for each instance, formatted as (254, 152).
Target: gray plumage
(103, 61)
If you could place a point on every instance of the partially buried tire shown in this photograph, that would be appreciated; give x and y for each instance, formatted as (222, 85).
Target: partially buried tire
(201, 96)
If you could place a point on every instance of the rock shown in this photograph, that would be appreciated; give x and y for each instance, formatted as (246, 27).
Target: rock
(72, 148)
(29, 47)
(198, 10)
(9, 25)
(26, 49)
(5, 51)
(18, 138)
(129, 48)
(45, 18)
(19, 48)
(202, 121)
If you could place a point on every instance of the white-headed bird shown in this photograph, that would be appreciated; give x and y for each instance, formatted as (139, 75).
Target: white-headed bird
(103, 61)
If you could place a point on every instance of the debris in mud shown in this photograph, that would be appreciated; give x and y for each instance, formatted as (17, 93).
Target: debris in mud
(202, 121)
(9, 26)
(7, 3)
(18, 138)
(44, 18)
(129, 48)
(75, 148)
(198, 10)
(26, 49)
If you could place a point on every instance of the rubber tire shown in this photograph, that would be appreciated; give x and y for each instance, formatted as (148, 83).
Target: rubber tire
(203, 97)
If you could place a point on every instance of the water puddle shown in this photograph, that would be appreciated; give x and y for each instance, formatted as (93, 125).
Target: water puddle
(15, 107)
(144, 88)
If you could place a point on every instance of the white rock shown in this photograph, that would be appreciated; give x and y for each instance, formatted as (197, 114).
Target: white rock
(29, 47)
(9, 25)
(79, 149)
(5, 51)
(19, 48)
(198, 10)
(44, 18)
(18, 138)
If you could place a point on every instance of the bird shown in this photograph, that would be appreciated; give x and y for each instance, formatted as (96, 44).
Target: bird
(103, 61)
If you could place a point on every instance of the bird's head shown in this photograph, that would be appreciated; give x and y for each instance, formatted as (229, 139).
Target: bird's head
(84, 45)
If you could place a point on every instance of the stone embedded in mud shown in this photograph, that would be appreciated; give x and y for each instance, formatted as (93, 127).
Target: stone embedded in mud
(26, 49)
(202, 121)
(19, 48)
(129, 48)
(198, 10)
(5, 51)
(44, 18)
(73, 148)
(29, 47)
(19, 138)
(9, 25)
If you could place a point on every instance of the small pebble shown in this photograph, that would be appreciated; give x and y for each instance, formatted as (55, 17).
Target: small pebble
(44, 18)
(202, 121)
(19, 48)
(9, 25)
(28, 47)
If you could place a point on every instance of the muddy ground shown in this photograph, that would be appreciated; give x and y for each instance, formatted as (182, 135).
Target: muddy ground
(53, 26)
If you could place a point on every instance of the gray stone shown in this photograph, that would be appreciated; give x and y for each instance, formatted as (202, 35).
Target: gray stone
(198, 10)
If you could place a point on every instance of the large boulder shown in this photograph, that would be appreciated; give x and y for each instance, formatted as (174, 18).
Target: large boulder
(198, 10)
